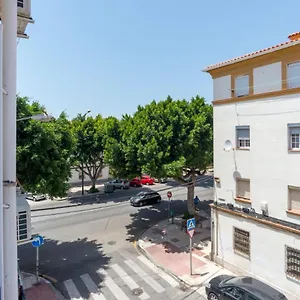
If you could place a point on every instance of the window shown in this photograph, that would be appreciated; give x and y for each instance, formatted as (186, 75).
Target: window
(294, 136)
(235, 293)
(293, 75)
(20, 3)
(243, 188)
(241, 86)
(294, 198)
(293, 262)
(241, 242)
(243, 137)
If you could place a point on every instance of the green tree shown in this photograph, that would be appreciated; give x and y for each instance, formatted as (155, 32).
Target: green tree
(88, 154)
(43, 151)
(169, 139)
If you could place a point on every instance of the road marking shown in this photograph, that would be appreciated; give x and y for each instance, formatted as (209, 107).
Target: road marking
(128, 280)
(72, 290)
(114, 288)
(92, 287)
(169, 279)
(149, 280)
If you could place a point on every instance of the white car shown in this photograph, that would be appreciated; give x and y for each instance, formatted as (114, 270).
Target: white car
(119, 183)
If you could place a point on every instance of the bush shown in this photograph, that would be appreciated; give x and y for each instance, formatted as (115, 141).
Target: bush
(93, 190)
(187, 216)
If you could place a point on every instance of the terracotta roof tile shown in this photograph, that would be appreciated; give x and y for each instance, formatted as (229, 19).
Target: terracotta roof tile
(294, 37)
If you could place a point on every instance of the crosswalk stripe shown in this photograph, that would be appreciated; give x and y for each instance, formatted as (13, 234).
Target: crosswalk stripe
(128, 280)
(169, 279)
(114, 288)
(155, 285)
(72, 290)
(92, 287)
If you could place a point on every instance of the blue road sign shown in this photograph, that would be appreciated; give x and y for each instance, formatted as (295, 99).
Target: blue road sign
(191, 224)
(37, 241)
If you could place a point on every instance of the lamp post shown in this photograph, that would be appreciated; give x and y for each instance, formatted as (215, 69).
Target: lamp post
(39, 117)
(82, 172)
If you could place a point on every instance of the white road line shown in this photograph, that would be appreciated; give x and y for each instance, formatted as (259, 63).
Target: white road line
(169, 279)
(72, 290)
(92, 287)
(149, 280)
(114, 288)
(128, 280)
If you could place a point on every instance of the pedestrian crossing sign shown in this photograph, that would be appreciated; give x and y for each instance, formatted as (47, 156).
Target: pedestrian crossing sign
(191, 224)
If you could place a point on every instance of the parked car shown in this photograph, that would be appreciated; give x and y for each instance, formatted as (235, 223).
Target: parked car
(160, 180)
(36, 197)
(144, 198)
(147, 180)
(225, 287)
(135, 182)
(119, 183)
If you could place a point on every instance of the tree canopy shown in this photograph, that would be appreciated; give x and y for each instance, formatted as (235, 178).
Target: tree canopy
(43, 151)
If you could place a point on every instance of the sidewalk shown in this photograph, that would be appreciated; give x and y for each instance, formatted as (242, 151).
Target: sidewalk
(44, 290)
(167, 246)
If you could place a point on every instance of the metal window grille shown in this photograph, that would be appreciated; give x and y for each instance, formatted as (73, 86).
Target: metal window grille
(241, 241)
(244, 143)
(295, 141)
(22, 226)
(20, 3)
(293, 262)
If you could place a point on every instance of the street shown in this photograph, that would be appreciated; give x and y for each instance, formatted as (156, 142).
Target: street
(92, 247)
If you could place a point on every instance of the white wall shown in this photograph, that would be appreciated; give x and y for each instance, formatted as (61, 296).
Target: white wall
(267, 78)
(75, 176)
(267, 251)
(222, 87)
(268, 164)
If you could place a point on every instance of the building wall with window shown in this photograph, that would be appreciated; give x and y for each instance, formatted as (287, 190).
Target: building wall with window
(76, 176)
(271, 259)
(256, 159)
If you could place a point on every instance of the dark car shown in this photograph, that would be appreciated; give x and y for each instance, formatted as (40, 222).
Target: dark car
(225, 287)
(144, 198)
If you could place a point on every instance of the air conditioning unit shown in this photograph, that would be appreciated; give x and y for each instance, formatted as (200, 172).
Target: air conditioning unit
(24, 16)
(264, 208)
(23, 218)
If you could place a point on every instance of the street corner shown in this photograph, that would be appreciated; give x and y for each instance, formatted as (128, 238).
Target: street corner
(43, 291)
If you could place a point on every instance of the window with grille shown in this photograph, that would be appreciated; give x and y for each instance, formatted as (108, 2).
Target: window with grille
(243, 188)
(243, 137)
(22, 226)
(20, 3)
(293, 75)
(241, 86)
(294, 198)
(294, 136)
(241, 241)
(293, 262)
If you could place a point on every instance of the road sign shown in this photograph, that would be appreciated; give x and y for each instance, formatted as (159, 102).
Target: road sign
(38, 241)
(191, 224)
(169, 194)
(191, 232)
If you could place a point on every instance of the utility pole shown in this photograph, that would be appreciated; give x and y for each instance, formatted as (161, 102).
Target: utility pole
(10, 256)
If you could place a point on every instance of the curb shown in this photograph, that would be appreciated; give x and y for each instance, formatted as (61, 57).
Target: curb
(145, 253)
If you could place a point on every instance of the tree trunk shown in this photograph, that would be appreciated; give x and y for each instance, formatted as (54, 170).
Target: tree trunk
(190, 195)
(93, 183)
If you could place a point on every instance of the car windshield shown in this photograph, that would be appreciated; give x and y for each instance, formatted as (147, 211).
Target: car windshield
(141, 194)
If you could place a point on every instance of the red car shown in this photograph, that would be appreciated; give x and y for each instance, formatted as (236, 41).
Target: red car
(135, 182)
(147, 180)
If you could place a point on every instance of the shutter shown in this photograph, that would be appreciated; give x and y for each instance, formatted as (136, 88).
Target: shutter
(294, 194)
(243, 132)
(20, 3)
(243, 189)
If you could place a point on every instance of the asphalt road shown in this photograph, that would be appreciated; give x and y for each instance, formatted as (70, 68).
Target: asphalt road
(81, 240)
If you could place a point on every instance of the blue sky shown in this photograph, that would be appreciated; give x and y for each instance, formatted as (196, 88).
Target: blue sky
(112, 55)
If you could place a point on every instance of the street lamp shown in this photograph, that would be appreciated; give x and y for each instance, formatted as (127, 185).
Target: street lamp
(39, 117)
(82, 173)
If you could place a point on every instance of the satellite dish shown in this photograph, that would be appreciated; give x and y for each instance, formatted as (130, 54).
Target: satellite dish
(227, 146)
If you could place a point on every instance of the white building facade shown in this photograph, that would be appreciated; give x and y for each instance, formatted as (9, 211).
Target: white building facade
(256, 213)
(76, 174)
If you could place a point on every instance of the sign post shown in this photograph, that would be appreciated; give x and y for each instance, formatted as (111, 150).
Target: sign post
(37, 242)
(169, 195)
(190, 226)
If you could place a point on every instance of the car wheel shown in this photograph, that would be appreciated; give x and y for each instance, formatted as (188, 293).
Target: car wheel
(158, 200)
(212, 296)
(147, 183)
(141, 203)
(122, 187)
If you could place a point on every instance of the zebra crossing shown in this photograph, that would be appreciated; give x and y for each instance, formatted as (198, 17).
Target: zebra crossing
(121, 280)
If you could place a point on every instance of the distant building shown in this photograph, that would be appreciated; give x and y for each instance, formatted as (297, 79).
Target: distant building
(76, 176)
(256, 220)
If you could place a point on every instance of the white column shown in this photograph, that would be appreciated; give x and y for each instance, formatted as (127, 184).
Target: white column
(1, 166)
(9, 21)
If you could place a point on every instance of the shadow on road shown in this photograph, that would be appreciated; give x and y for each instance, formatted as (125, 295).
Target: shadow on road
(151, 215)
(62, 260)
